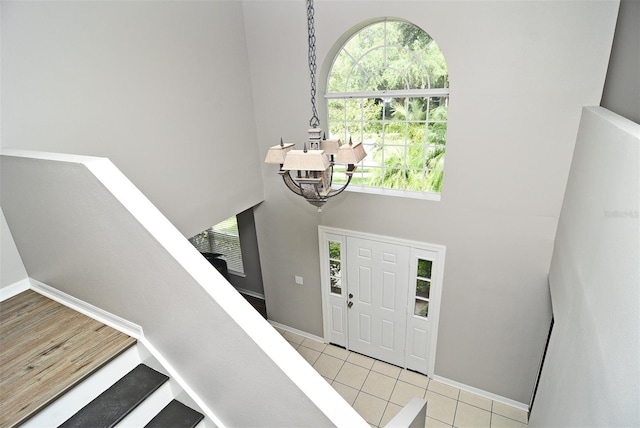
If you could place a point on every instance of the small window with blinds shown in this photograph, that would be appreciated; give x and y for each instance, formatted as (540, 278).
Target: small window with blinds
(223, 239)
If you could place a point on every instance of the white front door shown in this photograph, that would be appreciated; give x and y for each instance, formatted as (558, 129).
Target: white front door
(381, 296)
(377, 293)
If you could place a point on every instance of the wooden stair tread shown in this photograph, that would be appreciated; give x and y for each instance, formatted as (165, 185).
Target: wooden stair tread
(110, 407)
(45, 350)
(176, 415)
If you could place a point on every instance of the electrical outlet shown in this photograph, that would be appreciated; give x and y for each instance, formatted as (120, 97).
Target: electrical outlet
(299, 280)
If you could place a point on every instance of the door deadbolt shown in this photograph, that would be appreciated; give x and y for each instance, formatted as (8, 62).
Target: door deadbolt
(350, 296)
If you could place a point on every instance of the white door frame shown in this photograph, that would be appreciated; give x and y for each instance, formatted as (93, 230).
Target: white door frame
(435, 292)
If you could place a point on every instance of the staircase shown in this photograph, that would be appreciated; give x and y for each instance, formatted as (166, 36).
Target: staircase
(61, 368)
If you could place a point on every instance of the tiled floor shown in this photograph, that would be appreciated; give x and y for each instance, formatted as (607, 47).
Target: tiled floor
(377, 390)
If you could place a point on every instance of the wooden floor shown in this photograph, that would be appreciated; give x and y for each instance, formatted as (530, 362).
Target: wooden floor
(46, 349)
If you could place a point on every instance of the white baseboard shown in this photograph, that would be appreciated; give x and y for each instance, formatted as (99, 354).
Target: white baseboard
(250, 293)
(87, 309)
(296, 331)
(482, 393)
(14, 289)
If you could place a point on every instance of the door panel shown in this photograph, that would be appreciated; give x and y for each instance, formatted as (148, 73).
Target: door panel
(378, 279)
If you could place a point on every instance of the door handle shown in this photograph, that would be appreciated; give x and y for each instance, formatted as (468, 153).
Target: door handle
(349, 304)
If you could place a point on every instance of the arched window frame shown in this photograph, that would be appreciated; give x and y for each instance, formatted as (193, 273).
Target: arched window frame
(376, 150)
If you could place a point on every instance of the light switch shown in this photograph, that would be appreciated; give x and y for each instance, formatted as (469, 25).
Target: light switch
(299, 280)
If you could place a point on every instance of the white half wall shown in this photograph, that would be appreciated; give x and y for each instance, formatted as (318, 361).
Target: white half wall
(85, 230)
(592, 369)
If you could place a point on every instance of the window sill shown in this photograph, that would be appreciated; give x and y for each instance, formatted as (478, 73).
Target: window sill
(426, 196)
(235, 273)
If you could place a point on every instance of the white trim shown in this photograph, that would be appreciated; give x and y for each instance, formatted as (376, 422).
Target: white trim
(87, 309)
(426, 196)
(14, 289)
(250, 293)
(381, 238)
(491, 396)
(296, 331)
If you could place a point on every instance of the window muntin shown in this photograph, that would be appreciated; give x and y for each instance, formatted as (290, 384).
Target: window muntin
(423, 288)
(389, 88)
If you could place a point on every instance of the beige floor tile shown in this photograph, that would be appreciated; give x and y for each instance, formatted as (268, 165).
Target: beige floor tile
(336, 351)
(328, 366)
(352, 375)
(386, 369)
(309, 354)
(440, 407)
(499, 421)
(510, 412)
(443, 389)
(475, 400)
(349, 394)
(403, 393)
(370, 408)
(313, 344)
(414, 378)
(468, 416)
(434, 423)
(292, 337)
(294, 345)
(379, 385)
(390, 412)
(361, 360)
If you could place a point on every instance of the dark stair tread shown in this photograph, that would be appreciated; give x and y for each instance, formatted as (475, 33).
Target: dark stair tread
(176, 415)
(119, 399)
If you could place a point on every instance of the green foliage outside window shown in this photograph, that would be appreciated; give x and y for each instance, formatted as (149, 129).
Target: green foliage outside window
(405, 137)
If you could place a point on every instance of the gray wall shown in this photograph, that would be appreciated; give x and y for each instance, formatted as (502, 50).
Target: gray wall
(592, 372)
(252, 280)
(520, 73)
(11, 268)
(160, 88)
(622, 87)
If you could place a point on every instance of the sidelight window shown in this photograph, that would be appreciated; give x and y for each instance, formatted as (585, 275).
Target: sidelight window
(335, 267)
(423, 288)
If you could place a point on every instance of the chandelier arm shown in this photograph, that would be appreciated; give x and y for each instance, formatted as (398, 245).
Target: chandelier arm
(291, 183)
(335, 192)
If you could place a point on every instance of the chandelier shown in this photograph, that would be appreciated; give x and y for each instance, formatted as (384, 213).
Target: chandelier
(309, 172)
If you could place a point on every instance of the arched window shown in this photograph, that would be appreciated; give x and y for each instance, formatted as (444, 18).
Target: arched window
(388, 87)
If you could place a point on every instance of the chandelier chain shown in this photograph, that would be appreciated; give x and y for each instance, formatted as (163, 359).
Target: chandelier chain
(315, 121)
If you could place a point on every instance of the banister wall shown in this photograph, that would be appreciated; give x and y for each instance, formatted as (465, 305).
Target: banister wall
(81, 227)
